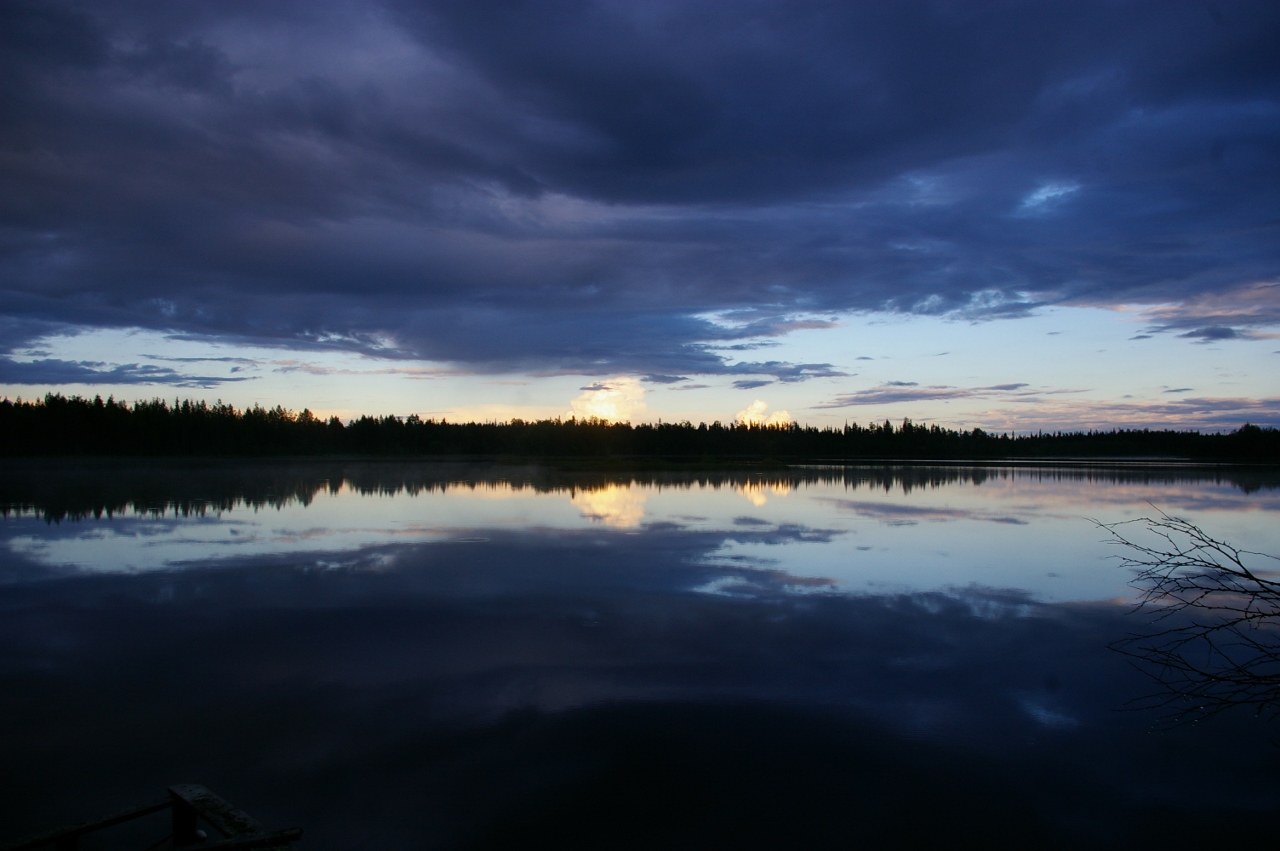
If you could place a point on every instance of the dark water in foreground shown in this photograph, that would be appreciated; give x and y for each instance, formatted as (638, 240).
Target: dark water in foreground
(436, 656)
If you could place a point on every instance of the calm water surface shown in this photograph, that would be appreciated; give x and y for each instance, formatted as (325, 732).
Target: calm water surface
(435, 655)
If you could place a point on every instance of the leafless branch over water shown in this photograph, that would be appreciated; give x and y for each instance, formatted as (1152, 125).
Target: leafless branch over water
(1217, 612)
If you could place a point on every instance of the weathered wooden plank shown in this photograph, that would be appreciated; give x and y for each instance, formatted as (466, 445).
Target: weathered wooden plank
(185, 824)
(274, 839)
(225, 818)
(53, 836)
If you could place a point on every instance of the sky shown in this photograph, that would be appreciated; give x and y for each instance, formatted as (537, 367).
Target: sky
(1007, 215)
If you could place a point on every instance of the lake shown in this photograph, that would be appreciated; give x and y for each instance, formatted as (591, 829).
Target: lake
(453, 655)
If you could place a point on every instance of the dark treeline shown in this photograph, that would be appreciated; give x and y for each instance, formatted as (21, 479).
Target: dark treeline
(61, 426)
(72, 489)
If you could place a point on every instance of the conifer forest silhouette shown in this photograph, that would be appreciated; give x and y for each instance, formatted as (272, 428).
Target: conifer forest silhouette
(60, 425)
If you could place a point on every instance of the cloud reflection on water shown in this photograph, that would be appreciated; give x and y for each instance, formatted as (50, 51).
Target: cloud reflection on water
(758, 493)
(612, 505)
(409, 679)
(420, 656)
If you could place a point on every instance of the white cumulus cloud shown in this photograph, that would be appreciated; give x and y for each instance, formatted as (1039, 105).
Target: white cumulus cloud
(616, 400)
(753, 414)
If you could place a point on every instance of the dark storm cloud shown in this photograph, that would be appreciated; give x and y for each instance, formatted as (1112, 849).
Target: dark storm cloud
(577, 187)
(17, 335)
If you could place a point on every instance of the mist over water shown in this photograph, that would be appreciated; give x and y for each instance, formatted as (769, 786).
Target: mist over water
(440, 655)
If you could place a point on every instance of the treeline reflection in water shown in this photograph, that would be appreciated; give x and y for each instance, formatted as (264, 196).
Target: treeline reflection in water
(75, 490)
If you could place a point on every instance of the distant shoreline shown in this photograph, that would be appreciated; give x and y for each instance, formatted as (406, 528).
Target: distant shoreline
(71, 427)
(647, 463)
(624, 464)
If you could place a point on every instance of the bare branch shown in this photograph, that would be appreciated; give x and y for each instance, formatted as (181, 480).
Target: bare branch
(1219, 647)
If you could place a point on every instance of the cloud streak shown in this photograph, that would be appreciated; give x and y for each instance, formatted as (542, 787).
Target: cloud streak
(1236, 314)
(1203, 413)
(897, 514)
(894, 392)
(50, 371)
